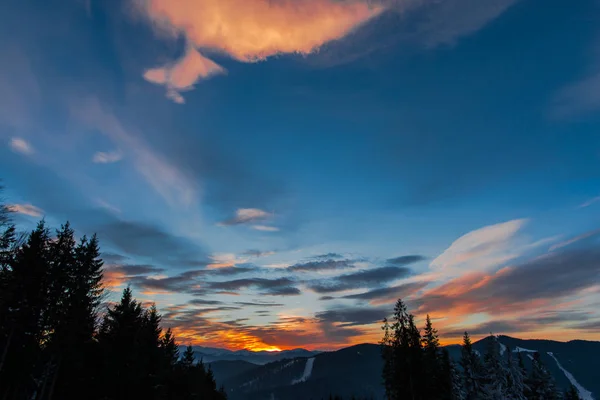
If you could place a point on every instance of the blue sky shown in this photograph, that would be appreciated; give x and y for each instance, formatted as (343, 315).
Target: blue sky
(289, 152)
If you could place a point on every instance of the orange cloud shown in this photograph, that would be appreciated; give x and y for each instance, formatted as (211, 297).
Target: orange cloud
(248, 31)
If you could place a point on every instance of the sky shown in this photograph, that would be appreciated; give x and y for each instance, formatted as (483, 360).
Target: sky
(275, 174)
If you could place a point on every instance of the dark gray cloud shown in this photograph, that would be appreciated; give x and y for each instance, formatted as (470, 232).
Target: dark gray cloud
(134, 270)
(282, 291)
(180, 283)
(146, 240)
(202, 302)
(257, 253)
(253, 304)
(324, 265)
(494, 327)
(268, 287)
(361, 279)
(556, 317)
(113, 258)
(593, 325)
(329, 256)
(325, 298)
(235, 270)
(404, 260)
(390, 294)
(353, 316)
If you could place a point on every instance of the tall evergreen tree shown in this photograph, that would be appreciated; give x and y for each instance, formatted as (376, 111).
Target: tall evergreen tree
(26, 305)
(540, 383)
(432, 364)
(402, 354)
(494, 374)
(472, 369)
(515, 377)
(572, 394)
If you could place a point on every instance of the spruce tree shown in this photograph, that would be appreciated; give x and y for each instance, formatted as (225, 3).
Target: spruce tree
(432, 364)
(572, 393)
(540, 382)
(402, 354)
(515, 377)
(188, 357)
(471, 366)
(494, 374)
(26, 306)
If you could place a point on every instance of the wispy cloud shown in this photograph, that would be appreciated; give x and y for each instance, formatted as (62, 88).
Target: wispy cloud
(589, 202)
(479, 249)
(246, 215)
(26, 209)
(265, 228)
(164, 177)
(246, 30)
(107, 157)
(20, 145)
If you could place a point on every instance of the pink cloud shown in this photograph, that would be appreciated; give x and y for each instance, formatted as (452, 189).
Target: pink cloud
(248, 31)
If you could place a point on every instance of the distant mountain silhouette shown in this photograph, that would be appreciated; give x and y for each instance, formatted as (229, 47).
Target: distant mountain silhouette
(210, 354)
(356, 370)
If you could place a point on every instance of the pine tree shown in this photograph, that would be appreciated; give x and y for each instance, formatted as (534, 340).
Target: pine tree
(432, 363)
(450, 385)
(515, 377)
(402, 354)
(540, 382)
(494, 374)
(471, 366)
(188, 357)
(572, 394)
(25, 304)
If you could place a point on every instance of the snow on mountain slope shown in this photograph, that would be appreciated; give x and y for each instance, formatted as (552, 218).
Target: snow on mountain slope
(502, 349)
(307, 371)
(522, 350)
(583, 393)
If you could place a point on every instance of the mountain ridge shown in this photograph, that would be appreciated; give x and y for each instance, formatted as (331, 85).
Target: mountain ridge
(356, 370)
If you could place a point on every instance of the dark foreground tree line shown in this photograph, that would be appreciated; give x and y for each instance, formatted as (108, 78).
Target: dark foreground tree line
(58, 342)
(417, 368)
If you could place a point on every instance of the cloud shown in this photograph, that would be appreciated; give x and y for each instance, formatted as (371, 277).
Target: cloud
(246, 215)
(258, 253)
(353, 316)
(182, 74)
(275, 287)
(447, 21)
(582, 238)
(247, 31)
(265, 228)
(389, 295)
(579, 97)
(25, 209)
(19, 145)
(404, 260)
(146, 240)
(107, 157)
(329, 256)
(479, 249)
(255, 304)
(167, 180)
(204, 302)
(590, 202)
(325, 265)
(536, 282)
(361, 279)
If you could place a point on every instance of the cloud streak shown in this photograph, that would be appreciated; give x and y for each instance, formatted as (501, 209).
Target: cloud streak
(25, 209)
